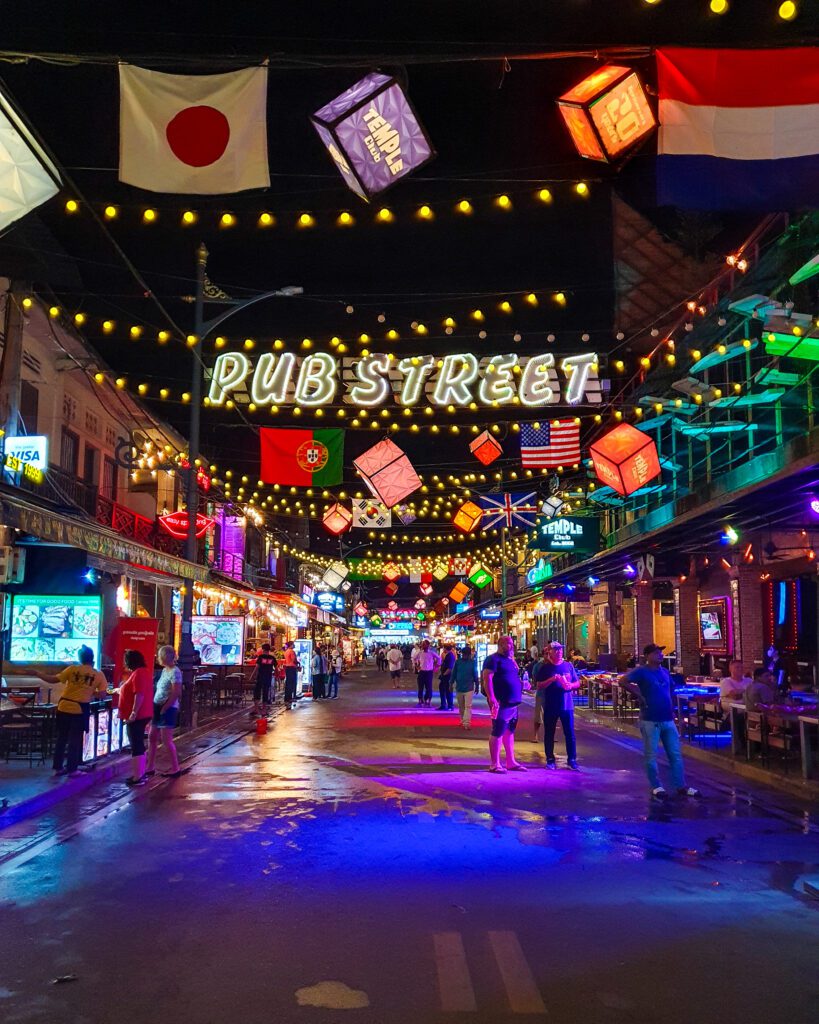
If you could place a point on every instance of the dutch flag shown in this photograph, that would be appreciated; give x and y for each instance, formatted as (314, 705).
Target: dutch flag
(739, 129)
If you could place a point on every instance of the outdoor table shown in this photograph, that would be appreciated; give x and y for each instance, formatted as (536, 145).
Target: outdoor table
(807, 723)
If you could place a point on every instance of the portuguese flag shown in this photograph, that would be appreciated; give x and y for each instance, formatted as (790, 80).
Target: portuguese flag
(302, 458)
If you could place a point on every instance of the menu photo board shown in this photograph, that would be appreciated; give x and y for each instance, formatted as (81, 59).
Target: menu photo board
(219, 639)
(53, 628)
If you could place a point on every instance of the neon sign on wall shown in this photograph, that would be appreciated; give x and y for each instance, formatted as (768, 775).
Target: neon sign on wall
(458, 379)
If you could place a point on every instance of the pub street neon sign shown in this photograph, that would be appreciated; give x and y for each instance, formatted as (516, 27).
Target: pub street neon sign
(457, 379)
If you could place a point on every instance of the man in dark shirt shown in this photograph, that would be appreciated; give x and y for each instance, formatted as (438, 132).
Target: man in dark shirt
(265, 667)
(556, 680)
(651, 683)
(504, 691)
(445, 679)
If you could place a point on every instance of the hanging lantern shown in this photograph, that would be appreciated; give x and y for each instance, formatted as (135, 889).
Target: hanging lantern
(625, 459)
(458, 592)
(551, 506)
(406, 515)
(468, 517)
(360, 609)
(391, 588)
(392, 606)
(391, 572)
(607, 113)
(376, 619)
(441, 571)
(485, 448)
(337, 519)
(479, 576)
(420, 604)
(387, 472)
(426, 589)
(335, 575)
(373, 134)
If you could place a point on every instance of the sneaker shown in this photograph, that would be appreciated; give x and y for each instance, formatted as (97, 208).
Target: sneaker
(575, 767)
(136, 782)
(551, 765)
(689, 791)
(659, 793)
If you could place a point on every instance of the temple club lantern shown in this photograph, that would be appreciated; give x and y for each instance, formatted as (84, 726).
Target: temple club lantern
(335, 575)
(607, 114)
(441, 571)
(485, 448)
(373, 134)
(426, 589)
(337, 519)
(391, 588)
(479, 576)
(458, 592)
(468, 517)
(387, 472)
(625, 459)
(391, 572)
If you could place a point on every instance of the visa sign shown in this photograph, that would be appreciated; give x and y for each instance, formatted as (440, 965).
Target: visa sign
(27, 456)
(567, 533)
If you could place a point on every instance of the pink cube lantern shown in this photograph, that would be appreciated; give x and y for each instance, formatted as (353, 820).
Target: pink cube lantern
(388, 472)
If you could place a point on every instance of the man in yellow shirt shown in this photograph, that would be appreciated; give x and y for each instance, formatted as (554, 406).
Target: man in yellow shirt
(82, 683)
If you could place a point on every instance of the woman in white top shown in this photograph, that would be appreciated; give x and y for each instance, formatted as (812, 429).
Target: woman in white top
(167, 692)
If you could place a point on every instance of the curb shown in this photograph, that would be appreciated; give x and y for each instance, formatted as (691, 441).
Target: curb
(796, 786)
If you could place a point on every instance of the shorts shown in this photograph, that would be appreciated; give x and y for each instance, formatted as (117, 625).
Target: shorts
(136, 735)
(166, 721)
(395, 673)
(506, 720)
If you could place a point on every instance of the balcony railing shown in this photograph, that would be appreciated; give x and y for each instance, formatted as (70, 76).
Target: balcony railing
(64, 489)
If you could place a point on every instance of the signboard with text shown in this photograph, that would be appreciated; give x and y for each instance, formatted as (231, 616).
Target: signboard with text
(567, 534)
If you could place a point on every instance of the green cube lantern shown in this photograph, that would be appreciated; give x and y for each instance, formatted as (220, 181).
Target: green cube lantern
(479, 576)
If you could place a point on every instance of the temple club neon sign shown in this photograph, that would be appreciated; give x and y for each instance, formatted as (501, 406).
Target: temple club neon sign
(458, 379)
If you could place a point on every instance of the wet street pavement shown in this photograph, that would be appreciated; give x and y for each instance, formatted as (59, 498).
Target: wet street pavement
(359, 863)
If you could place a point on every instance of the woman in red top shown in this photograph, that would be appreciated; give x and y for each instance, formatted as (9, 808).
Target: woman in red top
(136, 696)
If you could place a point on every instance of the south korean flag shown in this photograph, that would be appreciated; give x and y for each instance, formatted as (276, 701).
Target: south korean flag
(371, 515)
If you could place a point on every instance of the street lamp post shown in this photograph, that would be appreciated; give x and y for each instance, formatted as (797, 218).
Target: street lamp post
(202, 328)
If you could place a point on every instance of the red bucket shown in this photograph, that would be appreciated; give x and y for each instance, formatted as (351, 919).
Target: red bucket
(261, 726)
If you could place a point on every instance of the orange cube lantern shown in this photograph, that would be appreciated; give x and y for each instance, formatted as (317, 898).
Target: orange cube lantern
(387, 472)
(337, 519)
(468, 517)
(607, 113)
(391, 588)
(485, 448)
(625, 459)
(458, 592)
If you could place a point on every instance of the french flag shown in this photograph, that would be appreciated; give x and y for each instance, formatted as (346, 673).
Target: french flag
(739, 129)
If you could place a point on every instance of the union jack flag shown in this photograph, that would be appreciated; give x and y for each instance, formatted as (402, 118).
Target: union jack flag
(510, 509)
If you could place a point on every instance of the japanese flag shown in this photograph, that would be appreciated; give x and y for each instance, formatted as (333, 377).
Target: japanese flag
(202, 134)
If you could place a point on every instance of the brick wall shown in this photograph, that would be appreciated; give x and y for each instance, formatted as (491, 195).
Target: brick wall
(687, 626)
(749, 639)
(643, 615)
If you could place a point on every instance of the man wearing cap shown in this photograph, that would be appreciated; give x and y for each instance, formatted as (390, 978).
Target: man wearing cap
(556, 680)
(504, 691)
(651, 683)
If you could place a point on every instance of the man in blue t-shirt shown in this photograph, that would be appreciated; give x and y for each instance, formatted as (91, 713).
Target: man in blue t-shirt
(504, 691)
(651, 683)
(556, 680)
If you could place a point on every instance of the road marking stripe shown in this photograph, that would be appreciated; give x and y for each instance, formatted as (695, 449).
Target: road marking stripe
(521, 989)
(454, 982)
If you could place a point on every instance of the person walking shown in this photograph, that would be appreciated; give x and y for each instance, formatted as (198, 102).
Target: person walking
(445, 679)
(336, 664)
(292, 667)
(464, 677)
(427, 662)
(504, 691)
(319, 667)
(136, 705)
(556, 680)
(651, 684)
(166, 712)
(263, 678)
(80, 684)
(395, 660)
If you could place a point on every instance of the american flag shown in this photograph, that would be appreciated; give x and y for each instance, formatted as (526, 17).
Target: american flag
(510, 509)
(550, 444)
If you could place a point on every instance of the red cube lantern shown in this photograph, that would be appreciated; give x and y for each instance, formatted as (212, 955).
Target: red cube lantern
(360, 609)
(392, 605)
(607, 113)
(468, 517)
(391, 588)
(426, 589)
(391, 572)
(337, 519)
(485, 448)
(625, 459)
(458, 592)
(387, 472)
